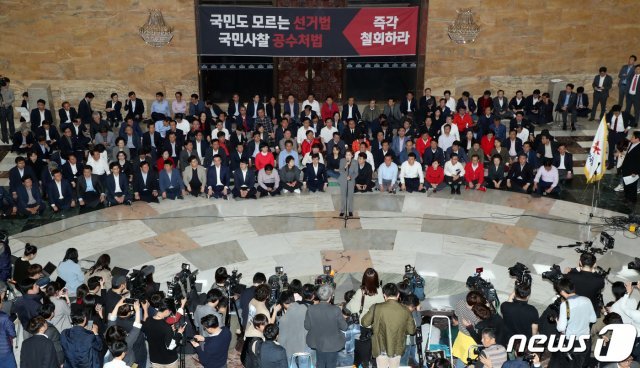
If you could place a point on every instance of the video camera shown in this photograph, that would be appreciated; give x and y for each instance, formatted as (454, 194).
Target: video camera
(521, 273)
(182, 285)
(477, 283)
(233, 283)
(278, 283)
(554, 274)
(635, 264)
(474, 350)
(415, 281)
(137, 283)
(326, 278)
(587, 247)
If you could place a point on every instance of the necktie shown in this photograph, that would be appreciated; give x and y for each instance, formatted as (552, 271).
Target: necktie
(615, 124)
(634, 84)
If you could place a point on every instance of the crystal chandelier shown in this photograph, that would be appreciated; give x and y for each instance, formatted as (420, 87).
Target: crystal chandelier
(464, 29)
(155, 32)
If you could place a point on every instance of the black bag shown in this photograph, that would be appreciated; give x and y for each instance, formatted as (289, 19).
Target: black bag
(362, 348)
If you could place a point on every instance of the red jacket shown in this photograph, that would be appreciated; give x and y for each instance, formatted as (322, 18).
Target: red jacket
(262, 160)
(471, 175)
(487, 145)
(434, 176)
(306, 146)
(328, 112)
(463, 122)
(421, 146)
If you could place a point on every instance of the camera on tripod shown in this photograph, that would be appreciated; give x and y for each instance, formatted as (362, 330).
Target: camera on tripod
(278, 283)
(415, 281)
(587, 247)
(477, 283)
(327, 277)
(182, 285)
(137, 282)
(233, 283)
(521, 273)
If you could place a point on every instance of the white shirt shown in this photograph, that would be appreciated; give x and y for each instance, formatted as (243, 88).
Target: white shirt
(116, 179)
(46, 134)
(326, 134)
(173, 149)
(632, 90)
(451, 170)
(411, 171)
(100, 167)
(600, 81)
(133, 105)
(183, 125)
(68, 116)
(74, 168)
(199, 150)
(302, 134)
(315, 106)
(307, 159)
(561, 166)
(214, 133)
(547, 151)
(116, 363)
(451, 104)
(445, 141)
(59, 185)
(512, 147)
(523, 135)
(218, 175)
(620, 123)
(409, 105)
(41, 116)
(349, 112)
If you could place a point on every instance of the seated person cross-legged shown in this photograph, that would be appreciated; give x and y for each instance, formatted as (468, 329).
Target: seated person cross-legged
(218, 179)
(411, 176)
(454, 174)
(563, 161)
(388, 175)
(546, 180)
(89, 189)
(244, 181)
(495, 176)
(315, 175)
(117, 187)
(268, 181)
(145, 184)
(171, 184)
(434, 177)
(364, 179)
(194, 177)
(290, 176)
(474, 174)
(520, 175)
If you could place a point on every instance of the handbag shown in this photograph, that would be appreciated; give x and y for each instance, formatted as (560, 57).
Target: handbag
(365, 332)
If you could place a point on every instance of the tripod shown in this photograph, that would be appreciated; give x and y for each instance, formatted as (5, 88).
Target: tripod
(232, 307)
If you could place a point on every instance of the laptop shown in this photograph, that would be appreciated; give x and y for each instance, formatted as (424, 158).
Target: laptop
(48, 269)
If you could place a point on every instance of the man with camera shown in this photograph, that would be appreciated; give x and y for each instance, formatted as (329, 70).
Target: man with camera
(6, 109)
(574, 319)
(163, 337)
(519, 316)
(492, 355)
(587, 283)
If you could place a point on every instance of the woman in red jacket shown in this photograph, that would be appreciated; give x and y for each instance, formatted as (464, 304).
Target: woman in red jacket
(487, 143)
(474, 174)
(160, 161)
(264, 157)
(434, 175)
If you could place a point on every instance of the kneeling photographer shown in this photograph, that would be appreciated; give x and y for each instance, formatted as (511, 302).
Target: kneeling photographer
(586, 280)
(575, 316)
(491, 353)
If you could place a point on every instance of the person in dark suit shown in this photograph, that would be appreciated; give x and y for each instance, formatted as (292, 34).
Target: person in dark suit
(171, 184)
(17, 173)
(236, 157)
(350, 111)
(532, 106)
(114, 110)
(433, 153)
(50, 133)
(244, 182)
(172, 146)
(67, 145)
(567, 104)
(38, 350)
(564, 163)
(152, 140)
(273, 109)
(427, 103)
(23, 141)
(408, 106)
(89, 190)
(292, 107)
(582, 103)
(633, 95)
(134, 107)
(67, 113)
(218, 179)
(547, 148)
(234, 106)
(631, 167)
(253, 106)
(84, 108)
(196, 106)
(618, 124)
(602, 83)
(40, 114)
(145, 184)
(520, 175)
(467, 102)
(28, 198)
(117, 187)
(351, 132)
(315, 175)
(501, 106)
(380, 154)
(60, 193)
(212, 110)
(623, 76)
(72, 170)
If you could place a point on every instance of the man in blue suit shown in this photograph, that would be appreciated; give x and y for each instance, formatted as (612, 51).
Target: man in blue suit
(145, 184)
(171, 185)
(244, 181)
(315, 175)
(29, 199)
(567, 103)
(292, 108)
(60, 193)
(398, 144)
(218, 179)
(17, 173)
(117, 187)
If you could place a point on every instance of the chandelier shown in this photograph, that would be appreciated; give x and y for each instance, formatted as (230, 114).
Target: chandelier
(464, 29)
(155, 32)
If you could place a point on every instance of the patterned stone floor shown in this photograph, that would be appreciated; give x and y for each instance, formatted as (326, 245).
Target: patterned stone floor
(446, 237)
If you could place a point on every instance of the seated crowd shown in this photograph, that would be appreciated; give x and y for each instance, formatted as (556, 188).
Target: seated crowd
(97, 317)
(263, 149)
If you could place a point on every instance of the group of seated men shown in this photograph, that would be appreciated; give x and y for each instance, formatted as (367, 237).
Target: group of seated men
(265, 149)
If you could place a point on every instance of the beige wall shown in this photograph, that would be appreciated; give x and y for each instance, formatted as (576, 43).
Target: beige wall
(524, 43)
(78, 46)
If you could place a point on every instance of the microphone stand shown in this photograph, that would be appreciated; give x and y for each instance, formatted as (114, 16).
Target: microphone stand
(346, 217)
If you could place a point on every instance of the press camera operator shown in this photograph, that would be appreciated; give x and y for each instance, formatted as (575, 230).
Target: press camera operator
(493, 355)
(163, 332)
(574, 318)
(587, 283)
(520, 318)
(212, 307)
(117, 291)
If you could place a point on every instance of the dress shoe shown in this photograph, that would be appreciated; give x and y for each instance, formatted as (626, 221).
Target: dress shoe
(341, 214)
(573, 129)
(591, 119)
(458, 190)
(453, 191)
(350, 214)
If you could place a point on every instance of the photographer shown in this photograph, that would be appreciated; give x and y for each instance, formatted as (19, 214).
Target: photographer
(493, 355)
(488, 320)
(82, 347)
(586, 282)
(520, 318)
(258, 305)
(214, 296)
(116, 333)
(212, 350)
(523, 360)
(162, 334)
(293, 335)
(367, 295)
(60, 299)
(126, 320)
(116, 292)
(247, 294)
(574, 317)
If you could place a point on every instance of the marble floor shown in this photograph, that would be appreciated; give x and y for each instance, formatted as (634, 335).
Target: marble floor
(446, 237)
